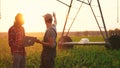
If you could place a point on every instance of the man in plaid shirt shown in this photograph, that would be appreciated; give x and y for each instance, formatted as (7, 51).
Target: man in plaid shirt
(16, 36)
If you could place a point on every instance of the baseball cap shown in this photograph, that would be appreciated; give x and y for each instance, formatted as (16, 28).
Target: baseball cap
(47, 17)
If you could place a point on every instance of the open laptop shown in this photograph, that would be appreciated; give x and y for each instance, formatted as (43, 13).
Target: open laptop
(29, 41)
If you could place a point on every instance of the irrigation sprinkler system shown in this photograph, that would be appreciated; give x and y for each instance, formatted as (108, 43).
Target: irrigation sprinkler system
(65, 41)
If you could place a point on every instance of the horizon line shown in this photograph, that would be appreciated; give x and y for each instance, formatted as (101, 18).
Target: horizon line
(57, 31)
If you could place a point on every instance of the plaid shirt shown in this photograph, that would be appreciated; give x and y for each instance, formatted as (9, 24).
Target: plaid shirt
(16, 36)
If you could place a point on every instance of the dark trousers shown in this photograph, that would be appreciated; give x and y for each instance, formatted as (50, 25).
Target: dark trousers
(47, 62)
(18, 61)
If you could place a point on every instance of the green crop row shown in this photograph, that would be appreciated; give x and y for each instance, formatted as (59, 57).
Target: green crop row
(88, 57)
(78, 57)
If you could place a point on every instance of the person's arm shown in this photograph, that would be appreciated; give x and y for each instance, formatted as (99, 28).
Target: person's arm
(50, 42)
(13, 39)
(50, 38)
(20, 38)
(55, 20)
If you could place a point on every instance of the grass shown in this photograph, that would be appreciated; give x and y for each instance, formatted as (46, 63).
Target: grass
(78, 57)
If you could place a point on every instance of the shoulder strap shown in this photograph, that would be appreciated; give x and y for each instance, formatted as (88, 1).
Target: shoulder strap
(54, 31)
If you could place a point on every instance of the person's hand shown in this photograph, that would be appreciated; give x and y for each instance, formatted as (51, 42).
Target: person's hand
(38, 41)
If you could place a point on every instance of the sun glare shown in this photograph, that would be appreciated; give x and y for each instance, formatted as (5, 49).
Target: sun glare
(33, 12)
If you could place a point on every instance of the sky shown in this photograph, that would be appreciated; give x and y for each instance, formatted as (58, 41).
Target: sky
(33, 10)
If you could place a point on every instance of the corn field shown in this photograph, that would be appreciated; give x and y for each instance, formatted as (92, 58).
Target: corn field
(77, 57)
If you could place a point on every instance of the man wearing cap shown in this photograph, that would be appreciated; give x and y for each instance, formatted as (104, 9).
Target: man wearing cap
(49, 42)
(16, 35)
